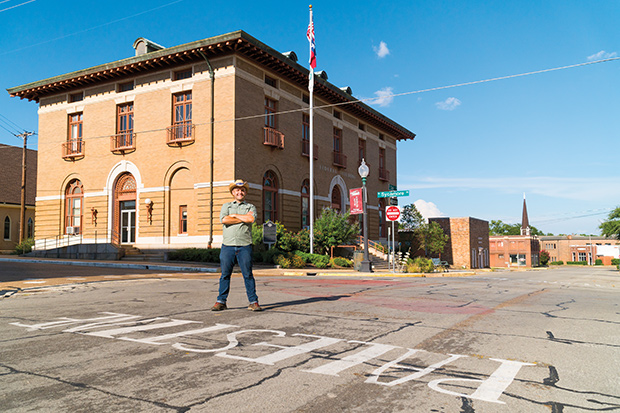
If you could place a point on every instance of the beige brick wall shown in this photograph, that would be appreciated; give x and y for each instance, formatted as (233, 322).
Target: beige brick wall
(179, 175)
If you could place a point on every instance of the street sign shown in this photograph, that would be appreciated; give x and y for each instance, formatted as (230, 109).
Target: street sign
(391, 194)
(392, 187)
(392, 213)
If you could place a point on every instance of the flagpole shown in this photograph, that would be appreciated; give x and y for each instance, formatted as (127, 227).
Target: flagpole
(311, 90)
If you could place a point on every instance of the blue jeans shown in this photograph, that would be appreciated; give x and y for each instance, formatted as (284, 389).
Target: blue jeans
(243, 255)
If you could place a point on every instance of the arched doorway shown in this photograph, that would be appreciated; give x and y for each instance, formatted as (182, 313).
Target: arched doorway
(125, 209)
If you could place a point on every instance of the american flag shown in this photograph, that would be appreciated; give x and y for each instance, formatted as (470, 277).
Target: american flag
(310, 36)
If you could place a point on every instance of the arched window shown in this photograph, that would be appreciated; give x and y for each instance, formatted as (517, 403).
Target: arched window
(30, 230)
(74, 196)
(7, 228)
(270, 197)
(337, 198)
(305, 204)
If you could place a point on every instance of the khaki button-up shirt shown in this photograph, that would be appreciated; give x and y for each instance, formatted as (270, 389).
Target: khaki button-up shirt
(237, 235)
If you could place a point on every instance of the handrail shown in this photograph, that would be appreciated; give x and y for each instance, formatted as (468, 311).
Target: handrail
(372, 244)
(65, 240)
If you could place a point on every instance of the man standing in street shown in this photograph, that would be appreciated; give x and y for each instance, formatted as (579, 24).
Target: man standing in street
(237, 218)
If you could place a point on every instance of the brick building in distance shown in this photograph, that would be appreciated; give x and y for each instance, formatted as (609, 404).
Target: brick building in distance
(10, 194)
(140, 151)
(515, 250)
(468, 242)
(580, 248)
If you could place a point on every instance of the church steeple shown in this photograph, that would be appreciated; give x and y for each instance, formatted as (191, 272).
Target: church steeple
(525, 223)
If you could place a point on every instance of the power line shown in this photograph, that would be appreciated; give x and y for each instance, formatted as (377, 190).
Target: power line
(374, 99)
(92, 28)
(12, 7)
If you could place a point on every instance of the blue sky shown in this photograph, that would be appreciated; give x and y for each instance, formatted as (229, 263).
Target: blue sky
(553, 136)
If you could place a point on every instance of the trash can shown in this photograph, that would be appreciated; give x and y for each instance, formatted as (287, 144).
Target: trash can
(358, 257)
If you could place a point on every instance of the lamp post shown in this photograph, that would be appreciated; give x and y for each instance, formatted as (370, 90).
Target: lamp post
(363, 171)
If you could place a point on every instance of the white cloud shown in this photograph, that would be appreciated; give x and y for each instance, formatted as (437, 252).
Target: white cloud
(384, 97)
(382, 50)
(428, 209)
(602, 55)
(448, 104)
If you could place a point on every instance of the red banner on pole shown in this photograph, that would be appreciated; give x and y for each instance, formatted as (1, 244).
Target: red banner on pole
(355, 200)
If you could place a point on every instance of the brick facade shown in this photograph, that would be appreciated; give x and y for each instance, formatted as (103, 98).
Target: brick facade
(468, 241)
(514, 250)
(171, 177)
(577, 248)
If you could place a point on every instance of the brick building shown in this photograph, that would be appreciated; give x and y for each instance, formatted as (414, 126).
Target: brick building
(468, 241)
(10, 194)
(140, 151)
(515, 250)
(580, 248)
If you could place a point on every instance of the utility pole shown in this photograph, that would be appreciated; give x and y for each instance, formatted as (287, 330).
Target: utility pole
(22, 212)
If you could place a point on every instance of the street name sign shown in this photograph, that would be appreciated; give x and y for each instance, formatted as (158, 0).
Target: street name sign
(391, 194)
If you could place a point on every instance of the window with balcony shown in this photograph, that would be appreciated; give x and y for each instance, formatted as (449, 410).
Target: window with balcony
(182, 129)
(74, 147)
(125, 139)
(272, 137)
(74, 195)
(183, 219)
(340, 159)
(384, 174)
(362, 151)
(270, 197)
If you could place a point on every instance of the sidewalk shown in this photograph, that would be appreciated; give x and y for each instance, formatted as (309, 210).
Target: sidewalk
(258, 269)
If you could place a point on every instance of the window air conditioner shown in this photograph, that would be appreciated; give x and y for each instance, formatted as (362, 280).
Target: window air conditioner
(70, 230)
(76, 230)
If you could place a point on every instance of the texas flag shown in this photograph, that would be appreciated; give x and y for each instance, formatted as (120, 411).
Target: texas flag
(310, 36)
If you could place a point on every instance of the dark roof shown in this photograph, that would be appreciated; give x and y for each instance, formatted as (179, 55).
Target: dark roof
(525, 222)
(11, 175)
(236, 42)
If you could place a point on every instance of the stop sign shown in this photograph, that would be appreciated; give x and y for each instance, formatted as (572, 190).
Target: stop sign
(392, 213)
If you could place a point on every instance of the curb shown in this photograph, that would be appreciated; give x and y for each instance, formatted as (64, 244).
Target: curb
(157, 267)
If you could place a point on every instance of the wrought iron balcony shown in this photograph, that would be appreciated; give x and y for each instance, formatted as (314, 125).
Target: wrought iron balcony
(384, 174)
(273, 137)
(305, 149)
(123, 142)
(340, 160)
(181, 133)
(73, 148)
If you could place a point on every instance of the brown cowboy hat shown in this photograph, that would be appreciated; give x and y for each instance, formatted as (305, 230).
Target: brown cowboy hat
(239, 183)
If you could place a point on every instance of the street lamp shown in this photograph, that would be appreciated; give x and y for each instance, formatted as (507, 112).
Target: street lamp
(363, 170)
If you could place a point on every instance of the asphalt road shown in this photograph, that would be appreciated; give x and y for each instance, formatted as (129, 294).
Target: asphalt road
(535, 341)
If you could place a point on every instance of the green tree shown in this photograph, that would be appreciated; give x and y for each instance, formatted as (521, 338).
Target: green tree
(611, 227)
(433, 238)
(410, 218)
(497, 227)
(333, 228)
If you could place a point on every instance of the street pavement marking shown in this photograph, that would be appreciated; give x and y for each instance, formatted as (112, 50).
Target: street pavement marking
(35, 282)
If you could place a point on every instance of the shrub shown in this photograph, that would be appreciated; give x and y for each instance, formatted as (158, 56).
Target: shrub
(25, 246)
(556, 263)
(615, 261)
(195, 254)
(282, 261)
(544, 258)
(576, 263)
(297, 261)
(319, 261)
(420, 264)
(598, 261)
(341, 262)
(269, 256)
